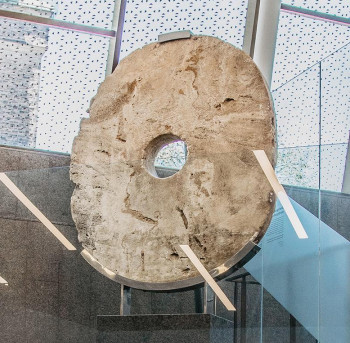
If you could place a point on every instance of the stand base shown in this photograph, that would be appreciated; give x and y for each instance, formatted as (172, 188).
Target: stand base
(164, 328)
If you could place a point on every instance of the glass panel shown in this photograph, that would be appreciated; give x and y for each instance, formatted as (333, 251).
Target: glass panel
(145, 20)
(340, 8)
(335, 204)
(335, 71)
(95, 13)
(297, 108)
(302, 42)
(290, 277)
(335, 268)
(48, 78)
(334, 264)
(245, 291)
(333, 159)
(335, 119)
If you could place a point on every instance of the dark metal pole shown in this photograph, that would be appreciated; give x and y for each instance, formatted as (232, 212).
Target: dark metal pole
(119, 34)
(125, 300)
(292, 329)
(198, 300)
(235, 302)
(243, 310)
(208, 300)
(250, 27)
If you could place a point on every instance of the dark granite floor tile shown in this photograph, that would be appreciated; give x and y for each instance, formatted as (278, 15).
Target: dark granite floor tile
(13, 238)
(9, 159)
(178, 328)
(60, 190)
(42, 244)
(141, 302)
(33, 160)
(42, 297)
(343, 216)
(71, 233)
(75, 292)
(329, 209)
(12, 323)
(9, 202)
(43, 270)
(59, 160)
(41, 327)
(172, 303)
(106, 295)
(72, 332)
(34, 185)
(276, 321)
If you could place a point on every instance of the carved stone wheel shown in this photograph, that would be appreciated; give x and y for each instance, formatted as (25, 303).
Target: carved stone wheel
(210, 95)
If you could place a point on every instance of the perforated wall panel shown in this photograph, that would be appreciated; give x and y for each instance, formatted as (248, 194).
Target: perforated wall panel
(302, 42)
(98, 13)
(72, 70)
(317, 98)
(144, 20)
(335, 102)
(297, 108)
(332, 166)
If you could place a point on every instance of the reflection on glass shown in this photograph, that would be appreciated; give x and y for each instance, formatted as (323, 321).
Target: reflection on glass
(313, 125)
(302, 42)
(94, 13)
(32, 208)
(47, 81)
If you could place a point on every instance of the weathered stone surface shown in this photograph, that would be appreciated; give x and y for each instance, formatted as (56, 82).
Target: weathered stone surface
(214, 98)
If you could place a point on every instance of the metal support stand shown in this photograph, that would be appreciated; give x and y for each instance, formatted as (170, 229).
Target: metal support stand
(243, 310)
(240, 284)
(198, 300)
(235, 314)
(125, 300)
(292, 331)
(209, 302)
(205, 300)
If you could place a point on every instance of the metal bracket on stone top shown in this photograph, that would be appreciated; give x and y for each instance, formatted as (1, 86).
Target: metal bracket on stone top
(125, 300)
(166, 37)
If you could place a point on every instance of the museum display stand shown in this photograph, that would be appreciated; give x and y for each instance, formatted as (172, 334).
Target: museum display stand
(159, 328)
(204, 327)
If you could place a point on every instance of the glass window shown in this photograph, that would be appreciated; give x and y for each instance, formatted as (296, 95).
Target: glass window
(145, 20)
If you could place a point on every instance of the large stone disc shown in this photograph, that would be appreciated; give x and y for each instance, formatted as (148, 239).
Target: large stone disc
(212, 96)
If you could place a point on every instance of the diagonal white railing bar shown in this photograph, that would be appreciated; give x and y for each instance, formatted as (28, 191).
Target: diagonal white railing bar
(37, 213)
(207, 277)
(280, 193)
(3, 281)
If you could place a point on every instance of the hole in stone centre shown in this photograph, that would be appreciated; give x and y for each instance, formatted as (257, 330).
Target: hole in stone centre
(165, 156)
